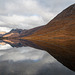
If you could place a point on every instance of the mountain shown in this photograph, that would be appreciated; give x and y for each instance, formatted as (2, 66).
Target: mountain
(13, 33)
(30, 31)
(62, 24)
(2, 33)
(58, 37)
(61, 28)
(21, 33)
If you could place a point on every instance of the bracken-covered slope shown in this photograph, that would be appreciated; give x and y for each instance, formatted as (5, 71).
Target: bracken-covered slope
(30, 31)
(58, 37)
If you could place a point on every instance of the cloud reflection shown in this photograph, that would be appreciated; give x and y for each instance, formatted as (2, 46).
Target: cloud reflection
(5, 46)
(23, 53)
(30, 61)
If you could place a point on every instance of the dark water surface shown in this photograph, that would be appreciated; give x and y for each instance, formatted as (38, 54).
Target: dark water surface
(18, 57)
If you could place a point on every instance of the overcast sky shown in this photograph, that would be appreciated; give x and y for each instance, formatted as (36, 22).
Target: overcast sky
(26, 14)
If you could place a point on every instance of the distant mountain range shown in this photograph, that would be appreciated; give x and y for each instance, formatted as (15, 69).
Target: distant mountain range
(13, 33)
(20, 32)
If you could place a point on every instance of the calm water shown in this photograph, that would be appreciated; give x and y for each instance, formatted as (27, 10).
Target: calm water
(18, 58)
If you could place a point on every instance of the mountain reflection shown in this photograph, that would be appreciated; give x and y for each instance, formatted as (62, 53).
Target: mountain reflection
(24, 59)
(21, 43)
(4, 45)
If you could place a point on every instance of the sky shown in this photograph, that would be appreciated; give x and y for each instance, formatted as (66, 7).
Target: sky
(26, 14)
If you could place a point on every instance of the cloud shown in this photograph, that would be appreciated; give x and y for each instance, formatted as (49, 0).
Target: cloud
(23, 14)
(16, 21)
(56, 6)
(5, 29)
(6, 46)
(26, 14)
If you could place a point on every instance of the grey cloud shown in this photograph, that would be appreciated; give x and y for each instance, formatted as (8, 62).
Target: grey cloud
(56, 6)
(21, 13)
(24, 11)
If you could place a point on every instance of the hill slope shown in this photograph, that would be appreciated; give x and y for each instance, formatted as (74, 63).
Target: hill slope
(63, 22)
(62, 27)
(58, 37)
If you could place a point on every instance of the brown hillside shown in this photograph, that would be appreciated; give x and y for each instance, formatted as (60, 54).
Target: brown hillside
(63, 25)
(58, 37)
(63, 22)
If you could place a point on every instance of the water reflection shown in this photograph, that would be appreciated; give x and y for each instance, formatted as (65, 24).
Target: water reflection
(22, 59)
(4, 45)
